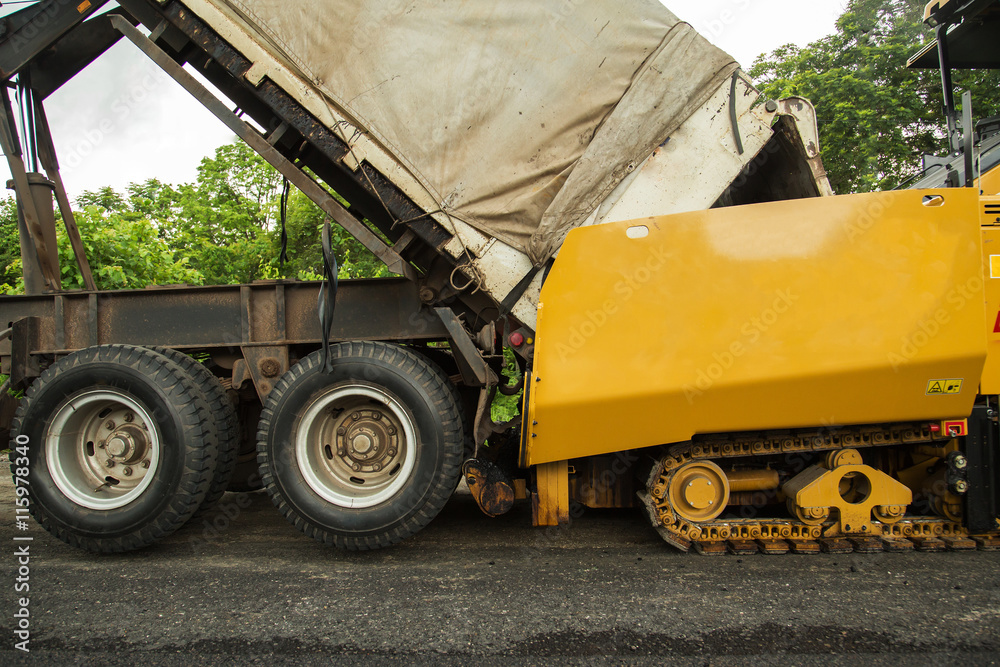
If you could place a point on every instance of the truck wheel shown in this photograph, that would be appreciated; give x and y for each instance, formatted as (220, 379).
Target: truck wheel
(367, 455)
(119, 454)
(223, 420)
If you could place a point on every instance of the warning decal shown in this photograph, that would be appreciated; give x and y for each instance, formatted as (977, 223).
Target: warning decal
(942, 387)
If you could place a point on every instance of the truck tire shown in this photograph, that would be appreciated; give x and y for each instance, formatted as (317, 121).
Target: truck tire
(246, 477)
(223, 420)
(118, 449)
(367, 455)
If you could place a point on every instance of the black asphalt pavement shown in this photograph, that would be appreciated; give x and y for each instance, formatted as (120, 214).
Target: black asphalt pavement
(242, 586)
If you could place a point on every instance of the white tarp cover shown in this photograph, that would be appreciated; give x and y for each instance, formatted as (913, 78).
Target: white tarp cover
(517, 116)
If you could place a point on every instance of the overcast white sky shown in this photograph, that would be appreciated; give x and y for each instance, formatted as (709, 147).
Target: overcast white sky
(123, 120)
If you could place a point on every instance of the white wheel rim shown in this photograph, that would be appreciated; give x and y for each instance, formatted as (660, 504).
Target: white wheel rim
(92, 430)
(349, 456)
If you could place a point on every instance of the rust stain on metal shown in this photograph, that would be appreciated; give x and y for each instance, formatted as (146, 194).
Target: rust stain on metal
(490, 486)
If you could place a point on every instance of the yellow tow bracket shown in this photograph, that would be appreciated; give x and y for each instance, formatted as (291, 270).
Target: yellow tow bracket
(855, 490)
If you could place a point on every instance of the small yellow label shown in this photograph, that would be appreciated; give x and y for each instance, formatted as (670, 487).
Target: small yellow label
(942, 387)
(83, 6)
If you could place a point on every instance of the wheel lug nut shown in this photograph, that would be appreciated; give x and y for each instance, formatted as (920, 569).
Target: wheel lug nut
(391, 452)
(109, 463)
(377, 467)
(145, 464)
(356, 466)
(341, 431)
(126, 471)
(109, 425)
(356, 416)
(392, 431)
(341, 450)
(128, 417)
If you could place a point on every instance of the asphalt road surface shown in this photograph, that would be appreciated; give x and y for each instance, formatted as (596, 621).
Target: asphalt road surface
(243, 586)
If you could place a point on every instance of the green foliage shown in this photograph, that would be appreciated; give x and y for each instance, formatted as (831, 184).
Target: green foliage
(505, 408)
(228, 223)
(875, 116)
(124, 251)
(305, 253)
(104, 198)
(221, 220)
(10, 249)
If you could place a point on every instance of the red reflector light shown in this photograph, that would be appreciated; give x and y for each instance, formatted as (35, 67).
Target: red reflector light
(957, 428)
(516, 339)
(935, 428)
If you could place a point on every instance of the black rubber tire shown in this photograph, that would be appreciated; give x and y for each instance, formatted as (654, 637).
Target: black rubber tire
(246, 477)
(432, 402)
(187, 453)
(224, 422)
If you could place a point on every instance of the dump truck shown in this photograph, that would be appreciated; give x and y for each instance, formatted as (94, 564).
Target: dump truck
(702, 329)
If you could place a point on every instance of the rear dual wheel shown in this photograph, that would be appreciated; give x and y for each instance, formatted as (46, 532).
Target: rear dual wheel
(366, 455)
(122, 447)
(223, 420)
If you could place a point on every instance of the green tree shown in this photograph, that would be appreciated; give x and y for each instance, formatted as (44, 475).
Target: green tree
(10, 248)
(124, 248)
(875, 116)
(228, 223)
(220, 222)
(305, 254)
(153, 200)
(105, 198)
(123, 251)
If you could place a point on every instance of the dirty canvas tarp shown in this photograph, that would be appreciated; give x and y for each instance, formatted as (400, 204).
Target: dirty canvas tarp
(519, 116)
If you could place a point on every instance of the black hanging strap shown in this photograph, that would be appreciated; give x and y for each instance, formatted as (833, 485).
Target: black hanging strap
(521, 287)
(734, 117)
(285, 190)
(327, 298)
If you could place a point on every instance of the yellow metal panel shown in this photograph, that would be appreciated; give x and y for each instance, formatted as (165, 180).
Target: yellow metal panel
(551, 505)
(989, 183)
(836, 310)
(990, 383)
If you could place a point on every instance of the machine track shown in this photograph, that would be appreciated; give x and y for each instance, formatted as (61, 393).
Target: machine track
(685, 485)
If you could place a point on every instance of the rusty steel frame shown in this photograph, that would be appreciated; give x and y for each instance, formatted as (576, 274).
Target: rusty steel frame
(11, 146)
(29, 32)
(47, 156)
(262, 314)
